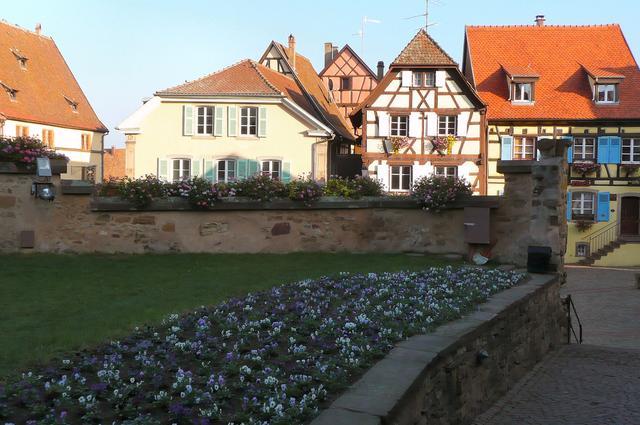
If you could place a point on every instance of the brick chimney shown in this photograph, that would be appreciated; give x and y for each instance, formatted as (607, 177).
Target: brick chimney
(540, 20)
(292, 50)
(38, 28)
(380, 70)
(328, 53)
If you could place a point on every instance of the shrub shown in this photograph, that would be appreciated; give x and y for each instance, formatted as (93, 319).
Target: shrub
(368, 186)
(434, 192)
(25, 150)
(261, 188)
(200, 192)
(305, 190)
(141, 191)
(353, 188)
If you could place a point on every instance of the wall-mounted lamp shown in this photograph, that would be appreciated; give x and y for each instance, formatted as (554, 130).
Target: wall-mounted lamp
(42, 187)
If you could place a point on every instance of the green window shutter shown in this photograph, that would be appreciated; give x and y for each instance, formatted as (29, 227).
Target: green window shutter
(219, 119)
(242, 169)
(187, 120)
(254, 167)
(286, 172)
(195, 167)
(232, 121)
(210, 171)
(162, 169)
(262, 123)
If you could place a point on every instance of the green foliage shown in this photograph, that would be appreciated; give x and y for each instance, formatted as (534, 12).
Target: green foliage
(25, 150)
(353, 188)
(434, 193)
(261, 188)
(304, 190)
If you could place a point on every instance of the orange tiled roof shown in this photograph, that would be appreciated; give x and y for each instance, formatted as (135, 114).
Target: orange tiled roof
(560, 55)
(46, 88)
(245, 78)
(421, 50)
(519, 71)
(114, 163)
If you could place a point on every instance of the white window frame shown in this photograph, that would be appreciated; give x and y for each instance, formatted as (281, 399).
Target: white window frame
(207, 114)
(273, 171)
(529, 142)
(246, 127)
(581, 146)
(400, 171)
(424, 79)
(183, 168)
(631, 149)
(610, 96)
(583, 204)
(229, 171)
(399, 128)
(447, 125)
(446, 171)
(582, 249)
(520, 92)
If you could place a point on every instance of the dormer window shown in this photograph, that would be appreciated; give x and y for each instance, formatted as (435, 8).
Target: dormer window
(22, 59)
(521, 81)
(606, 93)
(13, 93)
(72, 104)
(523, 92)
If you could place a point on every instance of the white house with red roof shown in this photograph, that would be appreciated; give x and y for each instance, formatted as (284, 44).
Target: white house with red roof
(40, 98)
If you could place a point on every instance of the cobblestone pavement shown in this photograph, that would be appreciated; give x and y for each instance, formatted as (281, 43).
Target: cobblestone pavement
(585, 384)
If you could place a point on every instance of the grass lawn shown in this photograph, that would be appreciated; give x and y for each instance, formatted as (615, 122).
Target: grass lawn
(50, 304)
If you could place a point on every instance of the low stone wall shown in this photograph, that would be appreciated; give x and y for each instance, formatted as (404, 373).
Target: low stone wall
(442, 378)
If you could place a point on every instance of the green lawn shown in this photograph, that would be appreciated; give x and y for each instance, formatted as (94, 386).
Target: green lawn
(50, 304)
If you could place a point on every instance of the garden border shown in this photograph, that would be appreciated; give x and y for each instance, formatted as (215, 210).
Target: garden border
(451, 375)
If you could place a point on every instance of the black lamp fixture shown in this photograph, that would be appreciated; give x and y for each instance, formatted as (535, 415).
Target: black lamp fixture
(42, 187)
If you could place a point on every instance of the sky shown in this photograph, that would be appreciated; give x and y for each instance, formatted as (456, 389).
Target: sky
(122, 51)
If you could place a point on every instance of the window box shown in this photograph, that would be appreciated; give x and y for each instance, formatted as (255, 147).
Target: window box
(585, 168)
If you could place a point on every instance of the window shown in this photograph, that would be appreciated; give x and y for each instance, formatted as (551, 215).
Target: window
(522, 92)
(400, 125)
(631, 150)
(47, 138)
(523, 147)
(424, 79)
(10, 91)
(181, 169)
(85, 142)
(606, 93)
(446, 171)
(330, 84)
(227, 170)
(249, 121)
(447, 125)
(582, 249)
(582, 205)
(271, 168)
(205, 120)
(584, 149)
(401, 177)
(345, 83)
(346, 149)
(22, 131)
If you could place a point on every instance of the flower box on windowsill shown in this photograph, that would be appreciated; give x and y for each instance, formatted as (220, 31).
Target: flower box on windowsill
(583, 217)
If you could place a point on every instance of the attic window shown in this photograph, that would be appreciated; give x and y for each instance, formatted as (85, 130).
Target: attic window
(10, 91)
(22, 59)
(523, 92)
(72, 103)
(607, 93)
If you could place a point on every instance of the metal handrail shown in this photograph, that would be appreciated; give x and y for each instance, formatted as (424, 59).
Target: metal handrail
(570, 329)
(600, 238)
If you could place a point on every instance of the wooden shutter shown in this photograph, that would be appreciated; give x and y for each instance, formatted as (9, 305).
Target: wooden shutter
(463, 119)
(406, 78)
(441, 78)
(432, 124)
(615, 150)
(603, 150)
(262, 121)
(210, 171)
(232, 121)
(195, 167)
(162, 169)
(507, 148)
(218, 123)
(569, 149)
(384, 121)
(242, 169)
(569, 206)
(415, 129)
(286, 172)
(187, 120)
(603, 206)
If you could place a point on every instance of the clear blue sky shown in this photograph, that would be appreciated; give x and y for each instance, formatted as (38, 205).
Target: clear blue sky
(123, 50)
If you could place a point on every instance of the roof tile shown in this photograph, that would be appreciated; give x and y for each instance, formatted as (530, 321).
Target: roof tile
(421, 50)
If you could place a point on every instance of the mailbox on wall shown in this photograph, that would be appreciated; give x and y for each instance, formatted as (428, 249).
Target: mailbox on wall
(477, 225)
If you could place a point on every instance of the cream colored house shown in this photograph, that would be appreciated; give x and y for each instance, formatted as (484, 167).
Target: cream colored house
(40, 98)
(240, 121)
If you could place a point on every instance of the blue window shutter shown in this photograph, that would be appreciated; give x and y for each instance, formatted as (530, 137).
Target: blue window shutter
(262, 122)
(615, 150)
(507, 148)
(569, 149)
(286, 172)
(209, 171)
(195, 167)
(254, 167)
(603, 150)
(569, 206)
(162, 169)
(242, 169)
(603, 206)
(232, 121)
(219, 119)
(187, 120)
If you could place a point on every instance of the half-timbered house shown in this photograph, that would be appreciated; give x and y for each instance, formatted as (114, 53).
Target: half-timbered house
(422, 118)
(584, 89)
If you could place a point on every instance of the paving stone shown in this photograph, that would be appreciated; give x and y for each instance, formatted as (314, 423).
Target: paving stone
(345, 417)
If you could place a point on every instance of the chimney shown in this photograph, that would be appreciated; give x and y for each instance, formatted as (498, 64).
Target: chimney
(380, 70)
(334, 51)
(38, 28)
(328, 53)
(540, 20)
(292, 50)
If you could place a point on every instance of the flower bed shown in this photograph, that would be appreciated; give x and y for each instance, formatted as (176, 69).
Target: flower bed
(434, 193)
(272, 357)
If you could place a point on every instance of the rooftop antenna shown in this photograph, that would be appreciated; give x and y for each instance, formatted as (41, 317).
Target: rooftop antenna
(425, 15)
(360, 33)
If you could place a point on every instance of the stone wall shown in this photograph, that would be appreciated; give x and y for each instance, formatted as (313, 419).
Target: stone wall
(457, 372)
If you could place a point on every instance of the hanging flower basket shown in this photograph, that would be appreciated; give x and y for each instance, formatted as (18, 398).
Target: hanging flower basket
(444, 144)
(399, 143)
(630, 169)
(585, 168)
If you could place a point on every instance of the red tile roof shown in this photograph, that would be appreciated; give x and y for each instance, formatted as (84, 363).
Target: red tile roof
(46, 88)
(519, 71)
(560, 55)
(114, 163)
(421, 50)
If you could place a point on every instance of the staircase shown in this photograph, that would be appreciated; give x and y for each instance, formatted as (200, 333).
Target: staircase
(603, 242)
(602, 252)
